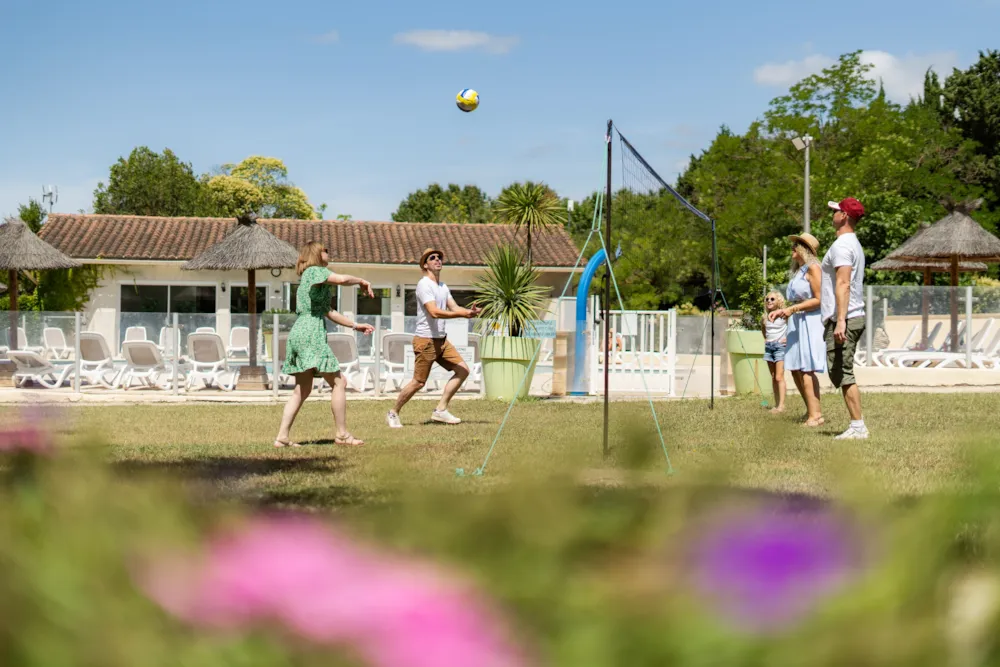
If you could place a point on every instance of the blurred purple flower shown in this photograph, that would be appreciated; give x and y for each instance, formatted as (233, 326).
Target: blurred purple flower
(766, 568)
(324, 587)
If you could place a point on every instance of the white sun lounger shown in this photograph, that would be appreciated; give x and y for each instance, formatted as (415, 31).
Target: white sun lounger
(206, 362)
(31, 367)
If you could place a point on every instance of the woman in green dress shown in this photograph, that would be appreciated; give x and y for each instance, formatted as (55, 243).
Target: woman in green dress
(307, 353)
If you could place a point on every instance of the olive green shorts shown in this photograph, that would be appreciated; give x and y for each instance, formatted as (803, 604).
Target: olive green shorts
(840, 356)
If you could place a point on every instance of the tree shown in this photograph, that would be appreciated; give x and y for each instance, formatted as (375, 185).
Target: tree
(148, 183)
(278, 197)
(33, 214)
(533, 206)
(971, 102)
(230, 197)
(454, 203)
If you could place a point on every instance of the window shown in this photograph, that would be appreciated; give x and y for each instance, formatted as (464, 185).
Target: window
(380, 305)
(239, 299)
(463, 297)
(144, 298)
(167, 298)
(192, 299)
(150, 308)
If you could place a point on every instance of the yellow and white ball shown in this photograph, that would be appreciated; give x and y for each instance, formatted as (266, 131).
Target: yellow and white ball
(467, 100)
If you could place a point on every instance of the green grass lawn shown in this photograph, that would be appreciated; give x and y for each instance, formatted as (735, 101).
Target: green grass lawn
(917, 446)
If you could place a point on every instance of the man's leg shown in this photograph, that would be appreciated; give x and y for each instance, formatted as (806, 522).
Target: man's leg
(408, 391)
(449, 359)
(852, 397)
(423, 353)
(848, 384)
(450, 389)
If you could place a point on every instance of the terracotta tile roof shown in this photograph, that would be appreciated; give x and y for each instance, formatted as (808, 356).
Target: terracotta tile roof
(353, 242)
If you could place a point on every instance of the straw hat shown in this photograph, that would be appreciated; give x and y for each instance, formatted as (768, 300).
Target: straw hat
(429, 251)
(807, 240)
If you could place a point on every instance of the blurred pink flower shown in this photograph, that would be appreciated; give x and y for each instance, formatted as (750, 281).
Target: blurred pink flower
(31, 431)
(324, 587)
(26, 438)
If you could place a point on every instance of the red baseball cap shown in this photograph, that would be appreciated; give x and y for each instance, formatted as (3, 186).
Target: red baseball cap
(850, 206)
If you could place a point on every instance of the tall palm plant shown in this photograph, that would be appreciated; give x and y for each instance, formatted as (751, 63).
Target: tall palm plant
(507, 292)
(529, 205)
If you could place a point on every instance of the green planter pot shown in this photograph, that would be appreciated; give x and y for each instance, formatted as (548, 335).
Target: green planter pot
(746, 353)
(505, 365)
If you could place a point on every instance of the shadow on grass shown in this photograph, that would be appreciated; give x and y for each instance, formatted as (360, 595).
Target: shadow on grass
(228, 468)
(325, 497)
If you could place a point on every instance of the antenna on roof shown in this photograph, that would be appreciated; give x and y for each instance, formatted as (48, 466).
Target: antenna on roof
(50, 193)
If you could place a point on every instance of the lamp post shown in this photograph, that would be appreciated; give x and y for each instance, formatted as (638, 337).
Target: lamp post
(803, 143)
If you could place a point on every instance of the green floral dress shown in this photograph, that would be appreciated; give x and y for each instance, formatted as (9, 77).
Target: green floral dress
(307, 347)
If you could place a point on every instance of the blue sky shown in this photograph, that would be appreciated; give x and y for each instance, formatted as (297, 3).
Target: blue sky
(358, 98)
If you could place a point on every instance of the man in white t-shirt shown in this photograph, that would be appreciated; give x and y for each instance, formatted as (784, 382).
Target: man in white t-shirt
(842, 306)
(430, 344)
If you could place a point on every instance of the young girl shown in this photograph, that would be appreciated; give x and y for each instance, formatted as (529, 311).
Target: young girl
(774, 347)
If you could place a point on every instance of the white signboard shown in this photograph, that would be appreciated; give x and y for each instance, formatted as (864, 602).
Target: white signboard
(457, 330)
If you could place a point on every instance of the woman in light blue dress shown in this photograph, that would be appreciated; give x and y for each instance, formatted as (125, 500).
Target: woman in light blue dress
(805, 355)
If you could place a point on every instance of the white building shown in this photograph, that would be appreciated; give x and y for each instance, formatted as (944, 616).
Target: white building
(144, 284)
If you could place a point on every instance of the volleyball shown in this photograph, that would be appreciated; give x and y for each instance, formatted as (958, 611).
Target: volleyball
(467, 100)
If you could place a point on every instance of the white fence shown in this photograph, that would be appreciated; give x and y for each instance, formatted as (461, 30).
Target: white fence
(642, 353)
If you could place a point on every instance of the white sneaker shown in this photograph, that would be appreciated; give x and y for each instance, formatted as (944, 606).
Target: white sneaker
(853, 434)
(392, 419)
(445, 417)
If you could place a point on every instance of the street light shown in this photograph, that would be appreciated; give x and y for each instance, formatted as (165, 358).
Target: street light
(803, 143)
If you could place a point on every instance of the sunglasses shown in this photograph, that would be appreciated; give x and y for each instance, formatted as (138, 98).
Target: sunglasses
(434, 256)
(770, 299)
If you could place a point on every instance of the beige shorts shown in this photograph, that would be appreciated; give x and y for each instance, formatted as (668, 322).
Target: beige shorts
(429, 350)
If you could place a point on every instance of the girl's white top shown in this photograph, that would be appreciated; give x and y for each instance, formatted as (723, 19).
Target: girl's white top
(775, 330)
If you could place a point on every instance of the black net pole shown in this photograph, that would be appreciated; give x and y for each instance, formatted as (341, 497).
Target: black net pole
(711, 398)
(607, 294)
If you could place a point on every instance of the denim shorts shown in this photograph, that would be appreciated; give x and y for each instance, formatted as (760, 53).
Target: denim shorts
(774, 352)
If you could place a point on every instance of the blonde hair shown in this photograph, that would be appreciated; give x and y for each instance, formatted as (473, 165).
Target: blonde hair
(780, 298)
(808, 257)
(311, 254)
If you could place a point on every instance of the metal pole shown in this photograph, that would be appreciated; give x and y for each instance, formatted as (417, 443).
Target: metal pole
(177, 355)
(805, 226)
(869, 330)
(765, 271)
(711, 373)
(274, 355)
(607, 294)
(76, 353)
(968, 327)
(377, 344)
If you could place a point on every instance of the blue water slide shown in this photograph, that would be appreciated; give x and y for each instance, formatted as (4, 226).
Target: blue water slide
(582, 326)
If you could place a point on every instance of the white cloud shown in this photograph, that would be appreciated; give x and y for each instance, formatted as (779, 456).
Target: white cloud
(792, 71)
(455, 40)
(902, 76)
(331, 37)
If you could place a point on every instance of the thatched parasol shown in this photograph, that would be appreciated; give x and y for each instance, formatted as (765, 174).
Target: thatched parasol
(927, 268)
(21, 250)
(952, 239)
(248, 247)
